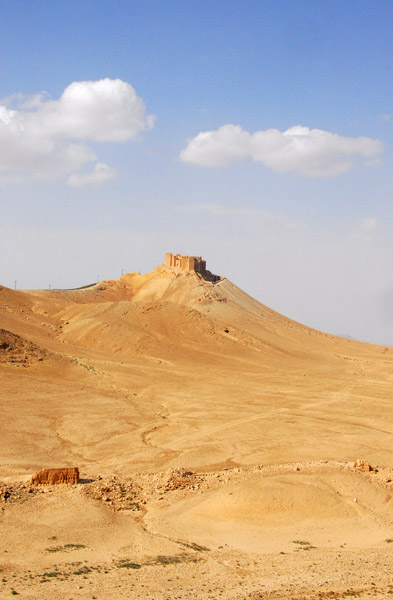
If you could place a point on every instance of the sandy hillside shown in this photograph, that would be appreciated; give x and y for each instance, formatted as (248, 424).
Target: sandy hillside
(216, 441)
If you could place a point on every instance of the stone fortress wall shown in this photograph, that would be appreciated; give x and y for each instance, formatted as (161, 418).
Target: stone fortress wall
(186, 263)
(191, 264)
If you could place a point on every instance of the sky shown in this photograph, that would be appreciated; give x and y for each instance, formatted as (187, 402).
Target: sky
(256, 134)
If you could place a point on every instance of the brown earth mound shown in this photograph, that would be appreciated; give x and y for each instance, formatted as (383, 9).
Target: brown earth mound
(14, 349)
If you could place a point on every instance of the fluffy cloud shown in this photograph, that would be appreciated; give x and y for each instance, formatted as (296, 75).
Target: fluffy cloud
(310, 152)
(44, 139)
(99, 175)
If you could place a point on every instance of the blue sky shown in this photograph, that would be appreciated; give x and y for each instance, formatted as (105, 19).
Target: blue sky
(300, 218)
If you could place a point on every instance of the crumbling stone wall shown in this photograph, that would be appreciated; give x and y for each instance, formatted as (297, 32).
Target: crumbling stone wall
(54, 476)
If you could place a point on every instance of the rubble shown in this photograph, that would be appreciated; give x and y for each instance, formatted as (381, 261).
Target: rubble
(15, 492)
(362, 465)
(133, 493)
(120, 494)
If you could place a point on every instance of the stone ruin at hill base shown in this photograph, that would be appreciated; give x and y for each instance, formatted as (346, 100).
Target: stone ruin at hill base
(54, 476)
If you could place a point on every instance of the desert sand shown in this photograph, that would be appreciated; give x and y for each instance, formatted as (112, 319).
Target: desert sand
(216, 441)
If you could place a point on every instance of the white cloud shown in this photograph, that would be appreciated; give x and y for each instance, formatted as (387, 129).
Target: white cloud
(6, 115)
(100, 174)
(44, 139)
(310, 152)
(219, 148)
(107, 110)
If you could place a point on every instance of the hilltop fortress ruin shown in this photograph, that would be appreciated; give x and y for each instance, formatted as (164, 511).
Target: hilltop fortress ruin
(186, 263)
(190, 264)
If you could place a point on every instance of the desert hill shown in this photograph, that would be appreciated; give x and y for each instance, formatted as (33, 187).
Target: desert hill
(172, 376)
(191, 371)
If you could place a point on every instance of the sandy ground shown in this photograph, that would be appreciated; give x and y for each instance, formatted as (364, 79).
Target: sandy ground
(216, 441)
